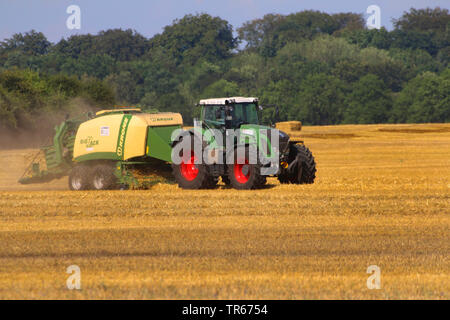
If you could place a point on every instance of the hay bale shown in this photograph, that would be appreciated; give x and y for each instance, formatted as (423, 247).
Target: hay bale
(289, 126)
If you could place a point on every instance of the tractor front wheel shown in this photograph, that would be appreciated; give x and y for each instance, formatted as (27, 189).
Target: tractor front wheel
(305, 169)
(191, 175)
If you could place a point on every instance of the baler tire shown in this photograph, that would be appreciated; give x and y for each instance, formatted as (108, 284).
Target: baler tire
(80, 178)
(103, 177)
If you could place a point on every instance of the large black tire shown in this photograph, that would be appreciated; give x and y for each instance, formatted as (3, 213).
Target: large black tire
(212, 182)
(226, 180)
(80, 178)
(284, 179)
(305, 171)
(103, 177)
(245, 176)
(190, 175)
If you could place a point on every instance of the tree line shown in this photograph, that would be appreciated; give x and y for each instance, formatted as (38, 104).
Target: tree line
(316, 67)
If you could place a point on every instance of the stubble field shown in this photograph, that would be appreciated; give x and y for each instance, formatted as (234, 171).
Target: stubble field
(382, 197)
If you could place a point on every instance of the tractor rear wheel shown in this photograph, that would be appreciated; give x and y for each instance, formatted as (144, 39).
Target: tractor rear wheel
(80, 178)
(103, 177)
(191, 175)
(243, 175)
(305, 171)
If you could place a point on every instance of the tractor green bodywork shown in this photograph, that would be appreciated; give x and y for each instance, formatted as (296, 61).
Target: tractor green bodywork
(159, 142)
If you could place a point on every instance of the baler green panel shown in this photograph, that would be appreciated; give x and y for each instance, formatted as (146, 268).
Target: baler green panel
(159, 142)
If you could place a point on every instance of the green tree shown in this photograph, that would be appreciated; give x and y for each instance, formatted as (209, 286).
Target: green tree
(424, 99)
(70, 86)
(26, 84)
(426, 29)
(201, 75)
(378, 62)
(121, 45)
(320, 100)
(329, 50)
(368, 102)
(254, 32)
(305, 63)
(283, 95)
(221, 88)
(427, 19)
(98, 93)
(30, 43)
(444, 56)
(248, 70)
(348, 21)
(124, 86)
(10, 109)
(98, 66)
(273, 32)
(75, 46)
(415, 61)
(296, 27)
(197, 37)
(412, 39)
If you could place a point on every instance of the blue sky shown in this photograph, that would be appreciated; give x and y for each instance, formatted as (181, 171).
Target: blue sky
(149, 17)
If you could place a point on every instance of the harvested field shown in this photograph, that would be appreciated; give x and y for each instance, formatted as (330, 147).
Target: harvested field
(381, 197)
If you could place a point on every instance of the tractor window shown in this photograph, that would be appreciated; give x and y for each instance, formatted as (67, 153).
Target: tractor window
(245, 113)
(209, 115)
(241, 112)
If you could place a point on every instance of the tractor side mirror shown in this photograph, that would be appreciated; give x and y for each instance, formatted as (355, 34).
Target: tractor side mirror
(259, 111)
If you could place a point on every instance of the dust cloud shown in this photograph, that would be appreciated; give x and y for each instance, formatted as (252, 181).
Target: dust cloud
(42, 130)
(19, 146)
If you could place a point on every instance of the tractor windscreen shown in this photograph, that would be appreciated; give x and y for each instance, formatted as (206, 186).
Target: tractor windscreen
(242, 113)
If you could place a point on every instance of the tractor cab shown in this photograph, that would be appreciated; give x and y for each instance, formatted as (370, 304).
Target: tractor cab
(229, 113)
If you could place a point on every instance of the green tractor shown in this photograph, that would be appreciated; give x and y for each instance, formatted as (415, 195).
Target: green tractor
(225, 142)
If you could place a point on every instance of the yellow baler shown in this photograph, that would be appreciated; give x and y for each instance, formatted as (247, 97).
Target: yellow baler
(124, 136)
(112, 143)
